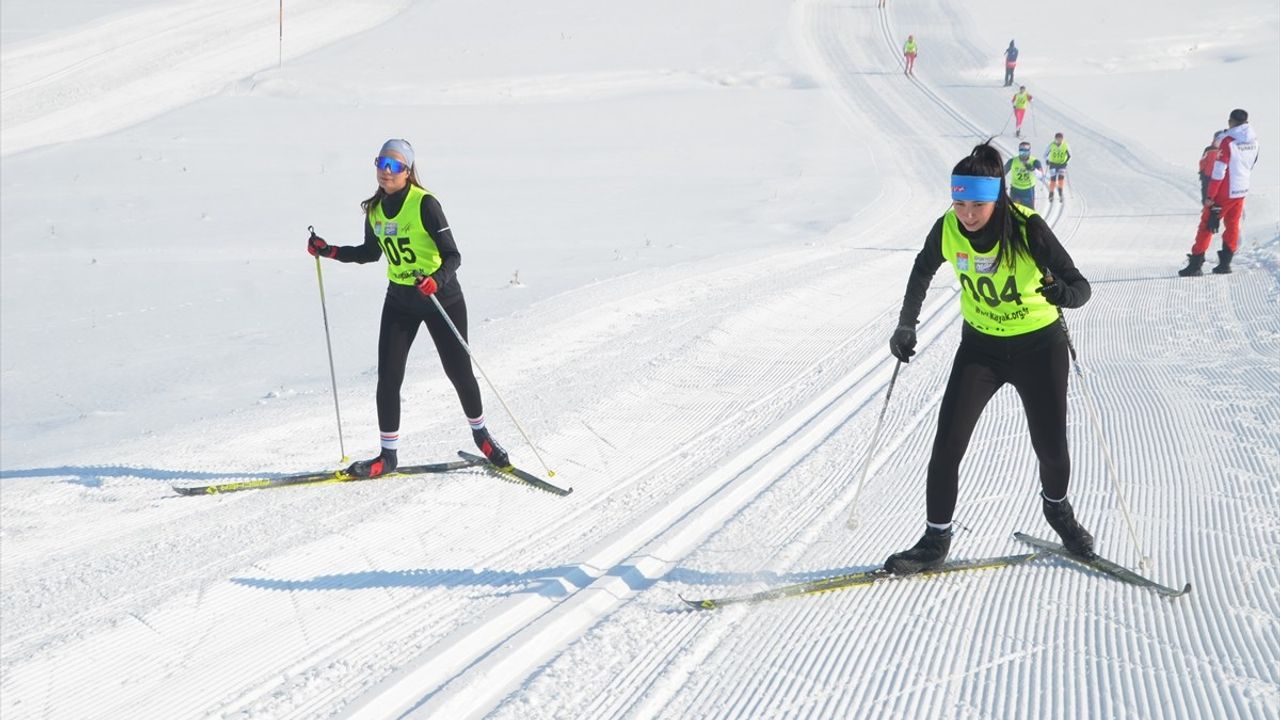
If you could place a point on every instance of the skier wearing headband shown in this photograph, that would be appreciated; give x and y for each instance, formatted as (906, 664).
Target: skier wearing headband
(1014, 276)
(405, 223)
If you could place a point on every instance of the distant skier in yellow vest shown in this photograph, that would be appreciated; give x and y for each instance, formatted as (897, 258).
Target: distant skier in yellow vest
(909, 51)
(1023, 171)
(1057, 155)
(1000, 253)
(1021, 102)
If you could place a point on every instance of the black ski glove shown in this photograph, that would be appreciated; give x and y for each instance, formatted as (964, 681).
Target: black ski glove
(903, 343)
(1057, 293)
(1215, 219)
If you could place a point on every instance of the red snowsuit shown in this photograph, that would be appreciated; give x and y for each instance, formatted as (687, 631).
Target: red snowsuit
(1228, 186)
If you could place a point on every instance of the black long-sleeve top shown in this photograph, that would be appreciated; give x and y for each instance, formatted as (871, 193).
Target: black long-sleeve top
(449, 289)
(1046, 251)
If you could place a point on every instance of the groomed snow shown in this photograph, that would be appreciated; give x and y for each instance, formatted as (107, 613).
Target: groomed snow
(686, 229)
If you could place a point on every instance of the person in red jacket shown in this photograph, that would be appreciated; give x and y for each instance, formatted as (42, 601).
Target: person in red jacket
(1224, 201)
(1207, 158)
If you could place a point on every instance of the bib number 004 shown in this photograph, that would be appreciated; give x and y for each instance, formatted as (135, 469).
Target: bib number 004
(984, 290)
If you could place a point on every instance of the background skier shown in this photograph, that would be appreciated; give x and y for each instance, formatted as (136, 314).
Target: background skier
(1021, 102)
(1057, 155)
(909, 51)
(1010, 60)
(1023, 171)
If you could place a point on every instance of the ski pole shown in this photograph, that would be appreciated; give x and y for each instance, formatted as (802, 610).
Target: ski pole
(1097, 429)
(465, 346)
(852, 522)
(333, 377)
(1006, 123)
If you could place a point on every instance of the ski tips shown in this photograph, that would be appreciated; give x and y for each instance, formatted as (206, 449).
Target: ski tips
(699, 604)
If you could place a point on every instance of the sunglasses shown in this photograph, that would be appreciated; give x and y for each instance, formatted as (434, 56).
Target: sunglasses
(391, 164)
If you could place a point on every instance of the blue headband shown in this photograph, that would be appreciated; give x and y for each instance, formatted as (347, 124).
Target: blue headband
(975, 187)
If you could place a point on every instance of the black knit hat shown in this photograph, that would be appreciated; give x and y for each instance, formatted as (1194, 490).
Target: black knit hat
(1239, 116)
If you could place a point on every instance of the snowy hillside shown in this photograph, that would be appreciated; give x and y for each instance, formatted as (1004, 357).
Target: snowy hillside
(686, 230)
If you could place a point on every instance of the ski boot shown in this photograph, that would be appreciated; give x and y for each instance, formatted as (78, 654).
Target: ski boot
(930, 552)
(1060, 197)
(490, 448)
(1224, 262)
(1062, 519)
(1194, 262)
(374, 467)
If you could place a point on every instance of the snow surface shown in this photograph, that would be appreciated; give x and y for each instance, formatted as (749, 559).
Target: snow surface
(686, 230)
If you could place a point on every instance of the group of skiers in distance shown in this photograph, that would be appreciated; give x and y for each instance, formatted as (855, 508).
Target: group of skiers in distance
(1226, 165)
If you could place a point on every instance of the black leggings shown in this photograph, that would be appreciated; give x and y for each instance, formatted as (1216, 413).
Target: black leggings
(1036, 365)
(399, 328)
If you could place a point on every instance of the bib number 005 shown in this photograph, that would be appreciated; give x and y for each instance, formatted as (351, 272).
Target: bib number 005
(398, 250)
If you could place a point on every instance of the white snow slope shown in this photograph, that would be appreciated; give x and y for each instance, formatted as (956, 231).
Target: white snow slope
(686, 229)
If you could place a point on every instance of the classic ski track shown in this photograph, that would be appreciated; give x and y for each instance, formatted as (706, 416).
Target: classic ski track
(90, 542)
(646, 686)
(669, 463)
(107, 610)
(840, 350)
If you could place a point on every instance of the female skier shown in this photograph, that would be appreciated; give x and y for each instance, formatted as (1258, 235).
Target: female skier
(404, 223)
(1014, 275)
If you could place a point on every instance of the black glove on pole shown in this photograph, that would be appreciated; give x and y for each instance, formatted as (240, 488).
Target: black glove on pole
(903, 343)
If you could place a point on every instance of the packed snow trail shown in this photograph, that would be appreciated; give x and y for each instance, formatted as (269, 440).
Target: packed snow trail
(134, 65)
(719, 414)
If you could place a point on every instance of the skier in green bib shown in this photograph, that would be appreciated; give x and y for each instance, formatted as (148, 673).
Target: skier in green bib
(405, 224)
(1023, 171)
(1014, 276)
(1021, 103)
(1058, 154)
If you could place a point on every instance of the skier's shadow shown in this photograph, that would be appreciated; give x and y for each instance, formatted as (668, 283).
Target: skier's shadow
(92, 476)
